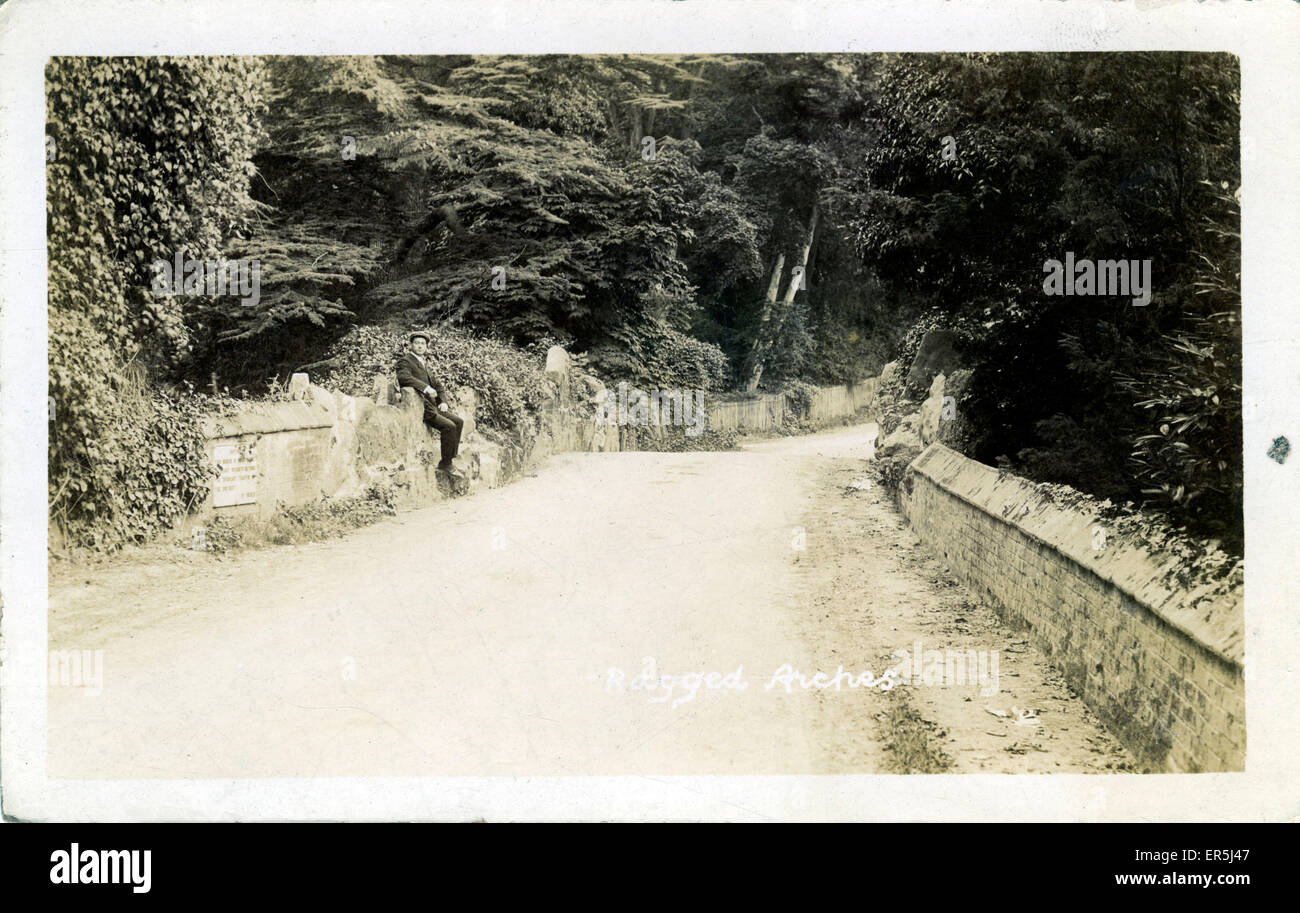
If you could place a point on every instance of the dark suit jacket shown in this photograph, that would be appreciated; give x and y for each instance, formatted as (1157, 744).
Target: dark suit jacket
(410, 373)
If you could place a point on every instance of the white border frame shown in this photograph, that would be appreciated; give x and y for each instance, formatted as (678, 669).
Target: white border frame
(1266, 36)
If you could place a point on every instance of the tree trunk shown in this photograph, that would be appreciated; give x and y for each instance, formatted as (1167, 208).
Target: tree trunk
(772, 323)
(634, 130)
(685, 129)
(772, 286)
(759, 349)
(803, 258)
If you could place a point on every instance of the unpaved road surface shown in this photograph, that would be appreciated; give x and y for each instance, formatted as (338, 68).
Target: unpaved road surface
(501, 635)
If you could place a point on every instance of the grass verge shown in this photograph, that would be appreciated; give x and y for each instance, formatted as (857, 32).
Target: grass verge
(911, 742)
(327, 518)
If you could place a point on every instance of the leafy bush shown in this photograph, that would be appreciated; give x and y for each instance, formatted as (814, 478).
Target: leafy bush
(676, 440)
(846, 354)
(655, 356)
(1069, 453)
(1191, 462)
(888, 472)
(150, 158)
(799, 395)
(145, 465)
(1190, 459)
(221, 535)
(682, 362)
(512, 385)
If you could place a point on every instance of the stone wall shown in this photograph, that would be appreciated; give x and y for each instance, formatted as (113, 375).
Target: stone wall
(328, 444)
(1159, 660)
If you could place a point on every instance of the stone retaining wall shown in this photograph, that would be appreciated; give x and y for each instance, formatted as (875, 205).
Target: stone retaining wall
(328, 444)
(1159, 661)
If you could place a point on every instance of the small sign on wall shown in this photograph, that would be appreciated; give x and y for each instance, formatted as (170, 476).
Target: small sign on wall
(237, 483)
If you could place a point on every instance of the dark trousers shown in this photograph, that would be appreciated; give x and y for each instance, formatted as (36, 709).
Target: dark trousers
(448, 426)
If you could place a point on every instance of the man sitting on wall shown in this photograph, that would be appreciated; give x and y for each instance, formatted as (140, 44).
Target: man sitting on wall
(413, 372)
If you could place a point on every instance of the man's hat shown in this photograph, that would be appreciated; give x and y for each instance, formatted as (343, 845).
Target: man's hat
(419, 334)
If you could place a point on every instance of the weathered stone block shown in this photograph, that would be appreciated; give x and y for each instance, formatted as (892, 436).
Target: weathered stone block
(932, 411)
(489, 470)
(467, 405)
(557, 370)
(904, 443)
(385, 390)
(935, 355)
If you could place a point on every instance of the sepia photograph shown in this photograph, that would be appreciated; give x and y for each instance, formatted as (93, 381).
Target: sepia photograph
(673, 414)
(637, 418)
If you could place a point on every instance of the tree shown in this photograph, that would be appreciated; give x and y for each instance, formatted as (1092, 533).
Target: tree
(1056, 153)
(489, 192)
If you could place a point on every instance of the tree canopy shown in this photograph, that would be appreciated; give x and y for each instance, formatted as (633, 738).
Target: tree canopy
(720, 221)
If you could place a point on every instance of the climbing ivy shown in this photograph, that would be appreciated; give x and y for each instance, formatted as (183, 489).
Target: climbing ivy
(146, 158)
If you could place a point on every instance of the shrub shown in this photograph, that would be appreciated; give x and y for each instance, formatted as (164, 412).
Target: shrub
(142, 462)
(659, 357)
(1190, 463)
(330, 517)
(799, 395)
(676, 440)
(221, 536)
(1069, 454)
(889, 472)
(683, 362)
(512, 384)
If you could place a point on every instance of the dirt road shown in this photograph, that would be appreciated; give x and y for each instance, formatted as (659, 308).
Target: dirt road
(503, 634)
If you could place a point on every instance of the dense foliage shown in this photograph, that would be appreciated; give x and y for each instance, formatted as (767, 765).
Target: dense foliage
(983, 167)
(1190, 457)
(147, 158)
(726, 222)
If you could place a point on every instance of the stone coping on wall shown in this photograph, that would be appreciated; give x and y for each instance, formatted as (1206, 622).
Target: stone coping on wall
(316, 407)
(1209, 612)
(325, 443)
(270, 418)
